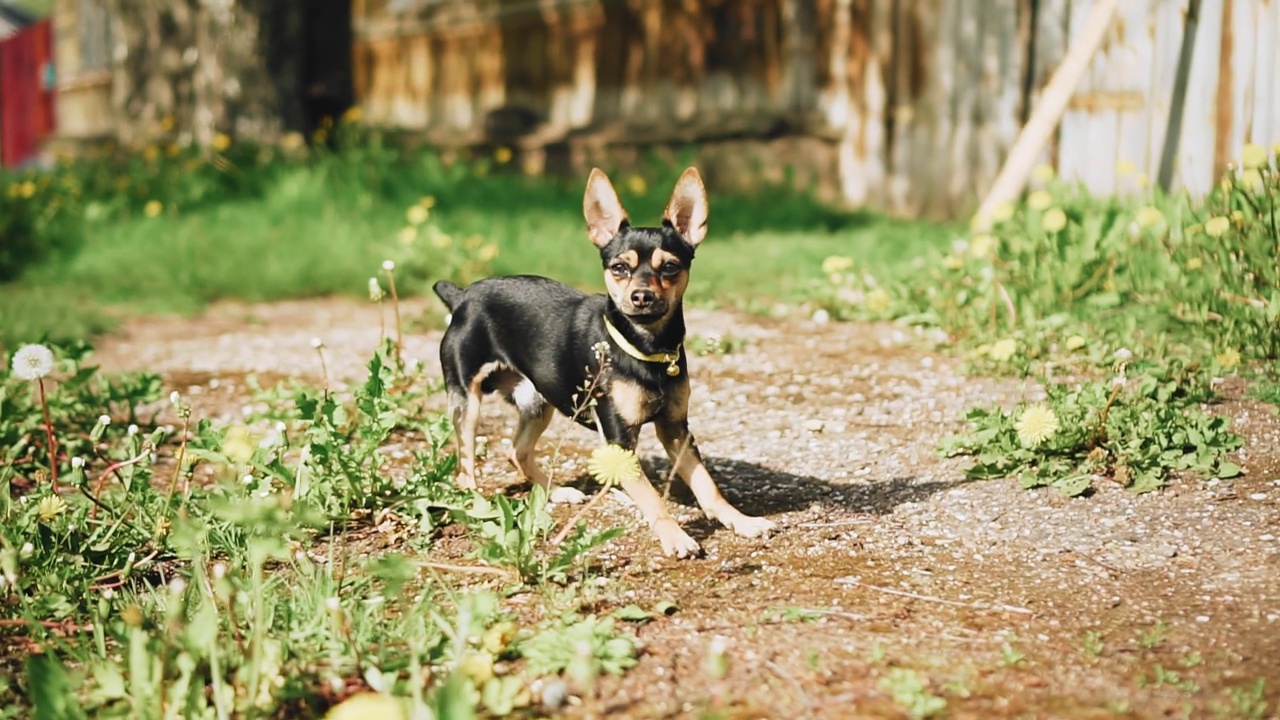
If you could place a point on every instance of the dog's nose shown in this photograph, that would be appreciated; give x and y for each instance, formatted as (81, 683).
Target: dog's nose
(641, 298)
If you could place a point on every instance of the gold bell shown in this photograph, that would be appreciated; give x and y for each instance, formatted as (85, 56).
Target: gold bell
(673, 369)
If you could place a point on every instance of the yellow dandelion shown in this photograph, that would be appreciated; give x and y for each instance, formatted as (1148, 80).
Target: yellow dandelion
(1253, 156)
(1054, 220)
(487, 253)
(1125, 168)
(1275, 149)
(836, 264)
(442, 240)
(1251, 179)
(50, 507)
(153, 208)
(417, 215)
(1002, 212)
(27, 190)
(238, 444)
(221, 142)
(1228, 358)
(292, 141)
(428, 201)
(1216, 226)
(1043, 173)
(982, 349)
(1237, 216)
(952, 262)
(151, 153)
(502, 155)
(637, 185)
(1150, 216)
(982, 245)
(878, 301)
(1195, 263)
(1039, 200)
(408, 236)
(1036, 424)
(1141, 180)
(167, 123)
(364, 705)
(1002, 350)
(172, 149)
(1075, 342)
(354, 114)
(614, 464)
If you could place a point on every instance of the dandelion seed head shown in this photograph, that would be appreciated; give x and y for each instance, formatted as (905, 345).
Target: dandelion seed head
(388, 265)
(77, 462)
(104, 420)
(317, 343)
(32, 362)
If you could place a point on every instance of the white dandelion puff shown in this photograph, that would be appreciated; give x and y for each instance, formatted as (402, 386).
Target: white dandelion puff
(32, 362)
(388, 265)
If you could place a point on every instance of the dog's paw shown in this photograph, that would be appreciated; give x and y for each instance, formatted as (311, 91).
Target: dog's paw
(567, 496)
(675, 541)
(747, 526)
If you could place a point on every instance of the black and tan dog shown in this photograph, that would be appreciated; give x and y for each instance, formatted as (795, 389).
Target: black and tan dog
(536, 342)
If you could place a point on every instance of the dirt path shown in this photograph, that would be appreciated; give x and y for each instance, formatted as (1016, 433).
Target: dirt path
(989, 593)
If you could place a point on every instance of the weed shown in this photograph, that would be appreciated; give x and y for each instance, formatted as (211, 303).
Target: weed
(1245, 703)
(1172, 678)
(1010, 656)
(1153, 636)
(910, 689)
(1092, 644)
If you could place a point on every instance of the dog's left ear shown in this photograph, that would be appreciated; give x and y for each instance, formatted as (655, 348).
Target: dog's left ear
(687, 209)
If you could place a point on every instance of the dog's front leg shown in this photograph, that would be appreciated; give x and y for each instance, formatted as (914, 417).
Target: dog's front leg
(675, 541)
(686, 459)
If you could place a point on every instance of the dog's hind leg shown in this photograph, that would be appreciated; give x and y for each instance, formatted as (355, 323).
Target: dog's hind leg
(465, 410)
(532, 424)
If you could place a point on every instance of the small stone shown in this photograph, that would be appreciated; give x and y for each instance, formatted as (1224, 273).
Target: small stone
(821, 316)
(1202, 618)
(814, 425)
(1258, 496)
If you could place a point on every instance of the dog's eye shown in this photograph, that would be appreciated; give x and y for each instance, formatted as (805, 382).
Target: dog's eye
(670, 269)
(620, 269)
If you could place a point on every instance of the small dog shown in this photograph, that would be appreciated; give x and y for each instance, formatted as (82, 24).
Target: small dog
(535, 341)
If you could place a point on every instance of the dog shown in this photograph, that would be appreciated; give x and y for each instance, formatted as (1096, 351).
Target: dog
(537, 342)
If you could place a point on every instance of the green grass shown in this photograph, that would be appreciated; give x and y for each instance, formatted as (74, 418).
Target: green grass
(310, 234)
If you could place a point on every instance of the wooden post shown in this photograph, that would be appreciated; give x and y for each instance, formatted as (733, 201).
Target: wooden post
(1044, 118)
(1177, 106)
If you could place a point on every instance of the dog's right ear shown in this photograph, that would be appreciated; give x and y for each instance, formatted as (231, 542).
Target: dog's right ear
(604, 212)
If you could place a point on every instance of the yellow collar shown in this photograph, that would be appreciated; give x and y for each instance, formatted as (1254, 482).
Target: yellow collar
(671, 359)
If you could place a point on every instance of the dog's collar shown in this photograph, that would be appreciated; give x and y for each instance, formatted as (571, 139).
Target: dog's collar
(671, 359)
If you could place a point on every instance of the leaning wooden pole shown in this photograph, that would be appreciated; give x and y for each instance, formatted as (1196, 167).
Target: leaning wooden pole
(1053, 102)
(1177, 107)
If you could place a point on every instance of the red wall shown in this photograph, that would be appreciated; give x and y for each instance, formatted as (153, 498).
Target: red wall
(26, 106)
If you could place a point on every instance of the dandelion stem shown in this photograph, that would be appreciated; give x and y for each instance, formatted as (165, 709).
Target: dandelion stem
(324, 369)
(395, 304)
(173, 484)
(48, 429)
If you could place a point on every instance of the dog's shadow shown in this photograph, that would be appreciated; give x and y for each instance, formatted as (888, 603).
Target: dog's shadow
(759, 490)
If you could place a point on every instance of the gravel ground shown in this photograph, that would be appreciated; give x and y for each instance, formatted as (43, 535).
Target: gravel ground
(987, 593)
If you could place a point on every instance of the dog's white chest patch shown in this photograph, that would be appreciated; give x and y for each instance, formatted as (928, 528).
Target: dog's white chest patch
(527, 398)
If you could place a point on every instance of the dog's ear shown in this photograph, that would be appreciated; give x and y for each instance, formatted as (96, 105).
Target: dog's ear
(687, 209)
(604, 212)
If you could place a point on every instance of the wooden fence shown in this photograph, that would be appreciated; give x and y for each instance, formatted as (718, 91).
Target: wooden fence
(907, 105)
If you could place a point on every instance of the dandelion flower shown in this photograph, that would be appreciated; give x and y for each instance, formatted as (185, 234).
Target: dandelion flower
(1043, 173)
(1123, 355)
(487, 253)
(50, 507)
(375, 290)
(637, 185)
(292, 141)
(1125, 168)
(175, 398)
(836, 264)
(1002, 350)
(221, 142)
(1251, 179)
(502, 155)
(878, 301)
(239, 444)
(1228, 358)
(951, 262)
(1054, 220)
(317, 343)
(416, 215)
(27, 190)
(1216, 226)
(1253, 156)
(32, 362)
(613, 464)
(1002, 212)
(1150, 216)
(1075, 342)
(407, 236)
(354, 114)
(1039, 200)
(153, 208)
(1037, 424)
(388, 265)
(982, 245)
(77, 462)
(1142, 180)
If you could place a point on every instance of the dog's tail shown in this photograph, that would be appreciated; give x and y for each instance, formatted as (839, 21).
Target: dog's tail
(450, 293)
